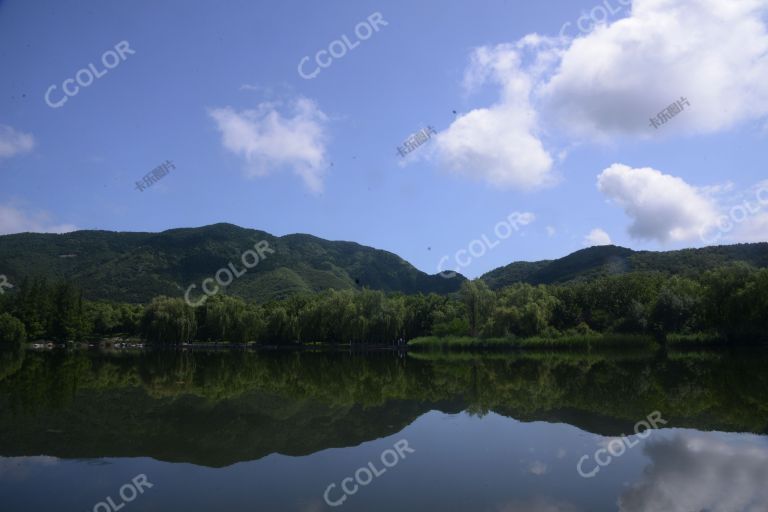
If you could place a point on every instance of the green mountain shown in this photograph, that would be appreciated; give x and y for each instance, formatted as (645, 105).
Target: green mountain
(134, 267)
(607, 260)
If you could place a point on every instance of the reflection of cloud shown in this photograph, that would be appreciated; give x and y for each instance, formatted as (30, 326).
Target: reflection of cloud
(18, 468)
(538, 505)
(701, 473)
(537, 468)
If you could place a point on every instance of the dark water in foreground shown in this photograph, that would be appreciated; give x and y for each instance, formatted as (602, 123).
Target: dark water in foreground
(275, 431)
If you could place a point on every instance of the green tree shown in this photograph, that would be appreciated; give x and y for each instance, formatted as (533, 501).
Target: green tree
(168, 320)
(12, 330)
(68, 321)
(478, 299)
(679, 306)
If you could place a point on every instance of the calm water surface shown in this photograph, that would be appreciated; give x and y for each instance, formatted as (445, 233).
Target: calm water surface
(274, 431)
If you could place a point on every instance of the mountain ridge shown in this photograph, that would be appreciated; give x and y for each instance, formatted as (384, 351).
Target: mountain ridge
(137, 266)
(605, 260)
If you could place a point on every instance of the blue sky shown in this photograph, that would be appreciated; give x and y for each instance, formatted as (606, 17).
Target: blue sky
(555, 128)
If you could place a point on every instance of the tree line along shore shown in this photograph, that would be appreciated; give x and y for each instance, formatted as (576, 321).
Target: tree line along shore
(726, 305)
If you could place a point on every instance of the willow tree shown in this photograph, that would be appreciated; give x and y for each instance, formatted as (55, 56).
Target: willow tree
(168, 320)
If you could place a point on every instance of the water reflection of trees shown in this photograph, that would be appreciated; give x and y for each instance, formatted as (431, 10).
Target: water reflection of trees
(296, 402)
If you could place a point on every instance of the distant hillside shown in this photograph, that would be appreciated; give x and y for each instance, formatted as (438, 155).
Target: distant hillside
(606, 260)
(134, 267)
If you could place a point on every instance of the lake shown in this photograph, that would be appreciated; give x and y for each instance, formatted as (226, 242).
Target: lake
(312, 431)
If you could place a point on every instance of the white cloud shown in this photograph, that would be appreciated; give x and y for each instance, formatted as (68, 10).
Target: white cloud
(662, 207)
(499, 144)
(701, 472)
(597, 237)
(551, 231)
(269, 140)
(609, 83)
(713, 52)
(13, 142)
(13, 220)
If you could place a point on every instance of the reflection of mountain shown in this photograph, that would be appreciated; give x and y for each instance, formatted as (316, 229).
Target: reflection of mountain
(701, 472)
(129, 423)
(216, 409)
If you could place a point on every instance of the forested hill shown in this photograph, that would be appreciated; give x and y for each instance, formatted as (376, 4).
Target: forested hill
(607, 260)
(135, 267)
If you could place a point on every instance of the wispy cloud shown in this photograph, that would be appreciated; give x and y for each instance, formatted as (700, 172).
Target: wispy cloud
(13, 142)
(14, 220)
(269, 140)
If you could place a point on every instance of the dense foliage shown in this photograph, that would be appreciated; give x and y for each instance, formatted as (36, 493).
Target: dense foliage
(588, 264)
(729, 302)
(137, 267)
